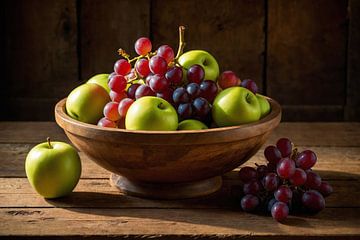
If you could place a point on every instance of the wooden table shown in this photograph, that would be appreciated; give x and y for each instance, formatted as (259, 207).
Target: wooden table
(96, 210)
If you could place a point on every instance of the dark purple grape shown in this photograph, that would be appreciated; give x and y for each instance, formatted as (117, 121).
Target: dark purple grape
(247, 174)
(298, 178)
(313, 180)
(285, 168)
(271, 203)
(313, 201)
(279, 211)
(195, 74)
(285, 147)
(132, 89)
(252, 187)
(249, 202)
(201, 108)
(180, 96)
(174, 75)
(249, 84)
(158, 83)
(325, 189)
(193, 89)
(306, 159)
(208, 90)
(272, 154)
(271, 182)
(184, 111)
(166, 94)
(262, 170)
(143, 91)
(283, 194)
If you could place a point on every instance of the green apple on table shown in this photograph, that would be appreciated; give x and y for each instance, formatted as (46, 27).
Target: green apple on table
(191, 124)
(86, 103)
(151, 113)
(101, 79)
(264, 105)
(234, 106)
(202, 58)
(53, 168)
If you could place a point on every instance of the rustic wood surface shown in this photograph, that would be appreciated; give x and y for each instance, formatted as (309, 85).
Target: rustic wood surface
(95, 210)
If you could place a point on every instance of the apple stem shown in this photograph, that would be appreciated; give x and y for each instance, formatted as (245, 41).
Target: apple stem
(181, 42)
(48, 140)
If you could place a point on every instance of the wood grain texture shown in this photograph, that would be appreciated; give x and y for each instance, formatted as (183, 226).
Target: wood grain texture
(107, 26)
(352, 110)
(307, 54)
(40, 55)
(230, 30)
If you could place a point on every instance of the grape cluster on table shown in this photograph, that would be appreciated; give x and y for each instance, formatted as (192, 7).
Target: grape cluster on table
(158, 74)
(285, 184)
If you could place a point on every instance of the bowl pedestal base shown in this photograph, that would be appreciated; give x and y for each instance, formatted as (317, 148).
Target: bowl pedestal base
(166, 190)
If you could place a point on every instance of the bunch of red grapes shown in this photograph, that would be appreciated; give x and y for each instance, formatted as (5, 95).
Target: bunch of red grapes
(286, 184)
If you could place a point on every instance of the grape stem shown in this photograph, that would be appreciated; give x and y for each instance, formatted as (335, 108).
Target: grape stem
(48, 141)
(181, 42)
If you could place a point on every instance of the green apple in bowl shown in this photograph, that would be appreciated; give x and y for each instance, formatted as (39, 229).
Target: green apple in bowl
(202, 58)
(86, 103)
(152, 114)
(264, 105)
(234, 106)
(191, 124)
(53, 169)
(101, 79)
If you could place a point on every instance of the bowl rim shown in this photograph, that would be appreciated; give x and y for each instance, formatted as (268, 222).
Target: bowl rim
(90, 130)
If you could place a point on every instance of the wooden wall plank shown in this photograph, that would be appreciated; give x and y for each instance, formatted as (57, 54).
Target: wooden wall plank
(306, 60)
(105, 26)
(229, 29)
(352, 108)
(40, 55)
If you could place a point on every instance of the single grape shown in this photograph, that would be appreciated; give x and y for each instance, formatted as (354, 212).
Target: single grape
(285, 168)
(283, 194)
(228, 79)
(158, 65)
(249, 202)
(313, 201)
(111, 111)
(166, 95)
(262, 170)
(142, 67)
(271, 182)
(116, 97)
(313, 180)
(271, 202)
(306, 159)
(249, 84)
(147, 79)
(201, 108)
(298, 178)
(253, 187)
(117, 83)
(104, 122)
(124, 106)
(158, 83)
(285, 147)
(193, 89)
(279, 211)
(208, 90)
(174, 75)
(246, 174)
(122, 67)
(142, 91)
(132, 89)
(180, 95)
(272, 154)
(184, 111)
(143, 46)
(325, 189)
(166, 52)
(195, 74)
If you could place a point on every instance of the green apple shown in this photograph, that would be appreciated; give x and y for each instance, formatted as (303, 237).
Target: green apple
(101, 79)
(264, 105)
(204, 59)
(234, 106)
(53, 169)
(86, 103)
(191, 124)
(151, 113)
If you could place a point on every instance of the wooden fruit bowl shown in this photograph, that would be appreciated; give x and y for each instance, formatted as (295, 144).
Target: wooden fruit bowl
(168, 164)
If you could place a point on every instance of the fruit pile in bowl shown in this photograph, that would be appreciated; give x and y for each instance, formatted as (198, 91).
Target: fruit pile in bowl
(166, 125)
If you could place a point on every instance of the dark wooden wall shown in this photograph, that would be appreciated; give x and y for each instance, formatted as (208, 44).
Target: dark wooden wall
(303, 53)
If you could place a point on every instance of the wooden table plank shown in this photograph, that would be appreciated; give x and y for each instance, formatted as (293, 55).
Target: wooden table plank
(338, 134)
(156, 222)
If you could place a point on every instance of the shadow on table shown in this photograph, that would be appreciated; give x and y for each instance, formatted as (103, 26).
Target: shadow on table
(219, 209)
